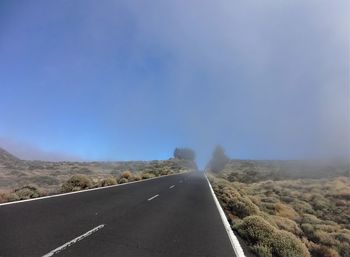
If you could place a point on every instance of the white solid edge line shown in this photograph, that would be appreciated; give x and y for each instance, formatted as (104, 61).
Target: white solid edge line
(233, 239)
(171, 186)
(87, 190)
(73, 241)
(150, 199)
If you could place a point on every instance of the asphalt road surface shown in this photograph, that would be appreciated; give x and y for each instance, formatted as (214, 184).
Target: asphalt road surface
(171, 216)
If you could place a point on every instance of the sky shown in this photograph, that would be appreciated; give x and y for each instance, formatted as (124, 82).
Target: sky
(132, 80)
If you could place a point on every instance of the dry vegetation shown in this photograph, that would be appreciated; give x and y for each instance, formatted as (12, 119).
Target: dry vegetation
(21, 179)
(280, 215)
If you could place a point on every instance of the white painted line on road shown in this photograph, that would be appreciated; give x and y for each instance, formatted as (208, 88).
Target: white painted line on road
(150, 199)
(233, 239)
(75, 240)
(172, 187)
(87, 190)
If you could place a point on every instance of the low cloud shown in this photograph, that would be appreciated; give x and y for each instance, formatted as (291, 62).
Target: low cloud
(26, 151)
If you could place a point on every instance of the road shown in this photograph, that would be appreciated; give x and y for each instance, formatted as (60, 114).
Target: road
(171, 216)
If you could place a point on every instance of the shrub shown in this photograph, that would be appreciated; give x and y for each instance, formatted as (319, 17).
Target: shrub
(255, 199)
(12, 197)
(312, 219)
(320, 236)
(164, 172)
(147, 175)
(343, 236)
(315, 210)
(308, 229)
(288, 225)
(322, 251)
(270, 199)
(3, 197)
(269, 218)
(84, 170)
(27, 192)
(263, 236)
(44, 180)
(270, 208)
(136, 177)
(123, 180)
(76, 183)
(108, 182)
(285, 244)
(344, 249)
(126, 174)
(255, 229)
(319, 202)
(262, 250)
(302, 207)
(242, 207)
(285, 211)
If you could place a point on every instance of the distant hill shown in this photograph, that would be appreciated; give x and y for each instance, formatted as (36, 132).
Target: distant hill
(6, 156)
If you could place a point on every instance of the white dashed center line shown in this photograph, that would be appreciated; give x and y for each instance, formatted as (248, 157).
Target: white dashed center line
(150, 199)
(73, 241)
(172, 187)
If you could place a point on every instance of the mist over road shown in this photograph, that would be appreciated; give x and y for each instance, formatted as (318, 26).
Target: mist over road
(171, 216)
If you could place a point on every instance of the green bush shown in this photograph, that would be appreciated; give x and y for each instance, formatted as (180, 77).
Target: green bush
(76, 183)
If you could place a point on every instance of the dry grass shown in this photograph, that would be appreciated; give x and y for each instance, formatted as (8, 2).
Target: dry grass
(76, 183)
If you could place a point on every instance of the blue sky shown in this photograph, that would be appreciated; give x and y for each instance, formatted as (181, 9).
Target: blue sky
(124, 80)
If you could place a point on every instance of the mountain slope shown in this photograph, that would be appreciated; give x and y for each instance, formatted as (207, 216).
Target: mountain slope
(6, 156)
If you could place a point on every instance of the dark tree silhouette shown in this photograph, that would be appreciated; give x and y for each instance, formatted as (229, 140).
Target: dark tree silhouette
(185, 154)
(218, 160)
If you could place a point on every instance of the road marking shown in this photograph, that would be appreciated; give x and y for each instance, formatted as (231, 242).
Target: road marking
(75, 240)
(233, 239)
(150, 199)
(172, 187)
